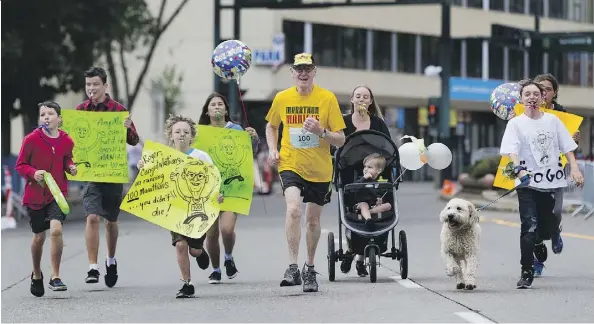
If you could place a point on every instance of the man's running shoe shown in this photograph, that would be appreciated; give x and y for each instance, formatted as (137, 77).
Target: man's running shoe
(526, 279)
(56, 284)
(292, 276)
(557, 242)
(203, 260)
(310, 284)
(111, 277)
(186, 291)
(214, 278)
(37, 289)
(361, 269)
(231, 269)
(92, 276)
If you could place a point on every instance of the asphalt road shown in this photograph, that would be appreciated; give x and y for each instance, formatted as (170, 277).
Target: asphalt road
(149, 277)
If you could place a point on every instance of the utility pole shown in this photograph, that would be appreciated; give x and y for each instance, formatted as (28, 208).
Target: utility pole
(446, 74)
(217, 36)
(535, 50)
(235, 113)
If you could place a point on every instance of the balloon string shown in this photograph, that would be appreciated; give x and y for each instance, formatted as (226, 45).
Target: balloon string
(243, 105)
(248, 125)
(393, 183)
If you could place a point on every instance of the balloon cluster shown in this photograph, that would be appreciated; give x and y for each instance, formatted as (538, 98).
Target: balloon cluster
(414, 155)
(231, 59)
(503, 100)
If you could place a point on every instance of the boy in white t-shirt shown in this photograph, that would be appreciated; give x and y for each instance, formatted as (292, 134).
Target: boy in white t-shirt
(533, 142)
(180, 132)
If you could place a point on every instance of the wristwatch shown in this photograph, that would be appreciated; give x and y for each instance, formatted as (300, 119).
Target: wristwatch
(324, 133)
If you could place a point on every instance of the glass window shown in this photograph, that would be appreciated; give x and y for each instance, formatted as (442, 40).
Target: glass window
(457, 57)
(555, 66)
(573, 62)
(516, 65)
(474, 58)
(576, 11)
(536, 7)
(429, 51)
(558, 9)
(326, 43)
(495, 62)
(406, 52)
(353, 47)
(382, 50)
(517, 6)
(456, 2)
(294, 34)
(566, 67)
(590, 66)
(474, 4)
(497, 5)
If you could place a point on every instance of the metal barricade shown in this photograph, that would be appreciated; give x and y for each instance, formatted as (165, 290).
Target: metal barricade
(581, 198)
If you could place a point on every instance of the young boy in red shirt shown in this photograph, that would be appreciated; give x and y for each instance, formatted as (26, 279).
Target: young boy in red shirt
(46, 149)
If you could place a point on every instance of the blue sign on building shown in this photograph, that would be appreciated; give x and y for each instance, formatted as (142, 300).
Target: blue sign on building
(469, 89)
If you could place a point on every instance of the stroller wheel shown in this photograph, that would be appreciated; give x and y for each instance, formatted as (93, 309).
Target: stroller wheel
(331, 257)
(403, 254)
(372, 265)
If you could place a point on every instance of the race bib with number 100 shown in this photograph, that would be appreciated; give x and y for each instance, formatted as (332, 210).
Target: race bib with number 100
(302, 139)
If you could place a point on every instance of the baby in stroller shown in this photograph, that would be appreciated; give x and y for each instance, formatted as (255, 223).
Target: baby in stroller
(368, 202)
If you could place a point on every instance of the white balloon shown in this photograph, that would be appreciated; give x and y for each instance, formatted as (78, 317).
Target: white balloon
(410, 156)
(439, 156)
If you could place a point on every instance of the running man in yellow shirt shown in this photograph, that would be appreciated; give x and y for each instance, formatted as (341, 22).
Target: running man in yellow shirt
(312, 121)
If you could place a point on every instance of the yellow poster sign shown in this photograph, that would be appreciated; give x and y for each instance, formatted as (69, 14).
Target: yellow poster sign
(175, 191)
(231, 152)
(99, 145)
(572, 123)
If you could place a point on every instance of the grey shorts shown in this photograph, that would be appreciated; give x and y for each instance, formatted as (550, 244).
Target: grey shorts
(103, 199)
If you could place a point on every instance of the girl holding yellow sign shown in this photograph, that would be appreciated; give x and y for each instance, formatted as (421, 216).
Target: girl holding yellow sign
(533, 142)
(46, 154)
(215, 112)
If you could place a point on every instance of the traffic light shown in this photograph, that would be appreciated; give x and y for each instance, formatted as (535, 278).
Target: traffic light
(433, 116)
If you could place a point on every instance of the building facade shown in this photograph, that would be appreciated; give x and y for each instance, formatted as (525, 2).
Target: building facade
(386, 48)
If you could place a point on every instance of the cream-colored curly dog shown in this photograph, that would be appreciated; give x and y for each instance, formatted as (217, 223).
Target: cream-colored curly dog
(460, 239)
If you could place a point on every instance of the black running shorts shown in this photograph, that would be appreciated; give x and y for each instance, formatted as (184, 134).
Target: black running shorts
(318, 193)
(39, 219)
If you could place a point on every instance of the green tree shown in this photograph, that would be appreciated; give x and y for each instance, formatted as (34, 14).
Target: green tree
(45, 52)
(170, 82)
(146, 36)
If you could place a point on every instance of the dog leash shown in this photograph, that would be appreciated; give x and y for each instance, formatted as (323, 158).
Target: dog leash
(523, 183)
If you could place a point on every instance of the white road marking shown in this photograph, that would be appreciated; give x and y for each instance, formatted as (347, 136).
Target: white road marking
(406, 283)
(472, 317)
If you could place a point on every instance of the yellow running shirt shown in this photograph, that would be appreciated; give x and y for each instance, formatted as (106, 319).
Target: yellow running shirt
(303, 152)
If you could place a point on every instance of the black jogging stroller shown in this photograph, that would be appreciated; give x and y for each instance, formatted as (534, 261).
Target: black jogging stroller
(371, 243)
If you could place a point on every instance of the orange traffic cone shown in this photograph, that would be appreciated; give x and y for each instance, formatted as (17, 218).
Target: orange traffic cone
(448, 189)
